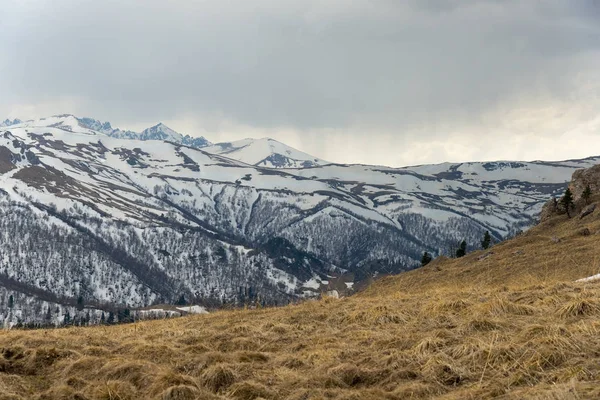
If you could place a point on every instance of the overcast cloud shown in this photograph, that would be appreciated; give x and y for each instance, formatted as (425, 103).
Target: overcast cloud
(379, 82)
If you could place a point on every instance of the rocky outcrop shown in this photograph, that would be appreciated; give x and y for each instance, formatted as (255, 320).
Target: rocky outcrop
(7, 159)
(583, 177)
(580, 180)
(587, 211)
(551, 208)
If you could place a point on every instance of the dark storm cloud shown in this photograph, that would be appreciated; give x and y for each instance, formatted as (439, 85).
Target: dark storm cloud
(366, 65)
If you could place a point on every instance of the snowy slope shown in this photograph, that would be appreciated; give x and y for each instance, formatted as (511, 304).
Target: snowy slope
(265, 153)
(141, 221)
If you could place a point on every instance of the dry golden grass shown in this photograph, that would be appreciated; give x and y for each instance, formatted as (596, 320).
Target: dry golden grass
(512, 325)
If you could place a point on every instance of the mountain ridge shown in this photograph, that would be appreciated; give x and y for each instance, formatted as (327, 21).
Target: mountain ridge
(140, 213)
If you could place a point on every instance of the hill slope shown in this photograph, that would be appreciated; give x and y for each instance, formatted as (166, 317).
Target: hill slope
(509, 322)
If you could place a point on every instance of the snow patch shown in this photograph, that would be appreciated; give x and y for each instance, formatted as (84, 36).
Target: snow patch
(193, 309)
(589, 278)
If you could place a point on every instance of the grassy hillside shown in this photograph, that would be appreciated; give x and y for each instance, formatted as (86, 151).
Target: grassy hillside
(508, 322)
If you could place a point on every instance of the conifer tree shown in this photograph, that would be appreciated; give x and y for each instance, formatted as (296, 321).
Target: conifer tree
(426, 259)
(587, 193)
(462, 250)
(181, 301)
(567, 201)
(11, 301)
(487, 239)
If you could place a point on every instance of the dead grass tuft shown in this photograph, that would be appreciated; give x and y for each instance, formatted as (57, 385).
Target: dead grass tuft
(60, 392)
(251, 357)
(218, 378)
(293, 363)
(430, 344)
(249, 390)
(418, 390)
(501, 306)
(455, 305)
(185, 392)
(170, 379)
(443, 370)
(112, 390)
(579, 307)
(351, 375)
(485, 324)
(136, 373)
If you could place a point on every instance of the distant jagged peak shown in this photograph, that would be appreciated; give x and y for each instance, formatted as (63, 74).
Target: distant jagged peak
(161, 132)
(96, 125)
(88, 125)
(8, 122)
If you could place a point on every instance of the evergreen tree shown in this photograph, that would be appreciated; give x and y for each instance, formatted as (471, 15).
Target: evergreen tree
(80, 303)
(11, 301)
(102, 319)
(462, 250)
(48, 315)
(487, 239)
(124, 315)
(181, 301)
(111, 318)
(426, 259)
(587, 193)
(67, 318)
(567, 201)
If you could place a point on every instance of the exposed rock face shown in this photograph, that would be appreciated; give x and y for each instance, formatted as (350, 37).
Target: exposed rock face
(587, 211)
(583, 177)
(549, 209)
(7, 159)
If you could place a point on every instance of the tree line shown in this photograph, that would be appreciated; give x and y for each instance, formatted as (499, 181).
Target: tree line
(462, 249)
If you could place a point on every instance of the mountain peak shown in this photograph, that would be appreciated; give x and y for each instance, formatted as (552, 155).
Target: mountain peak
(265, 152)
(159, 126)
(161, 132)
(96, 125)
(8, 122)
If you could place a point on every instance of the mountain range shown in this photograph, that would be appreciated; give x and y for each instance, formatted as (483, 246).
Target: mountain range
(95, 218)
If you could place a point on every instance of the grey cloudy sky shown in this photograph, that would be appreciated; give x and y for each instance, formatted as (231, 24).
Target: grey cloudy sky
(381, 82)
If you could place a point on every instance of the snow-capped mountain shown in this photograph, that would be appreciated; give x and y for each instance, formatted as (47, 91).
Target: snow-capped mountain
(132, 222)
(92, 126)
(157, 132)
(265, 153)
(8, 122)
